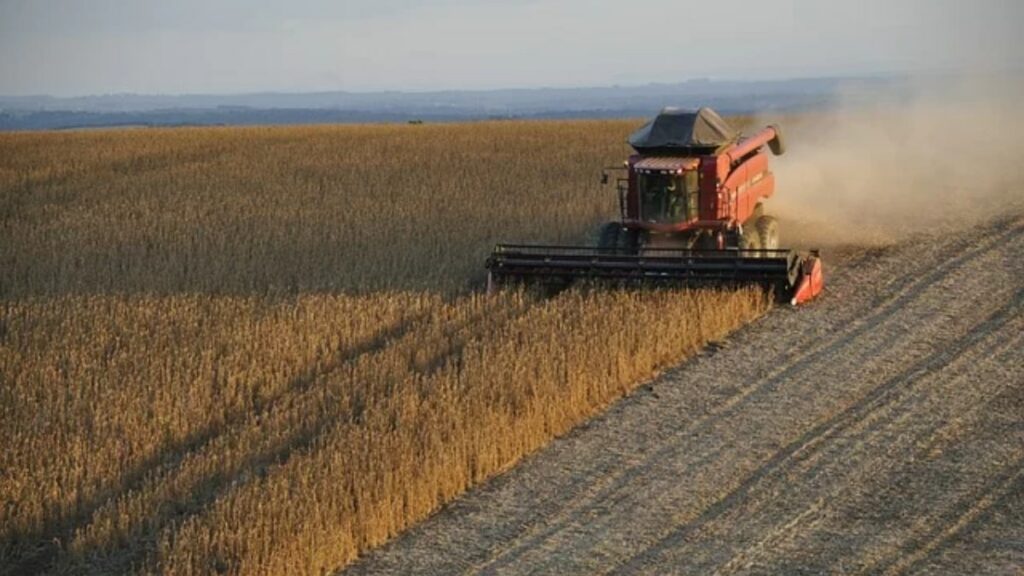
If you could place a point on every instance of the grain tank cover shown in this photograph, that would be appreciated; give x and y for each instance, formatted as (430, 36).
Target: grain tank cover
(684, 132)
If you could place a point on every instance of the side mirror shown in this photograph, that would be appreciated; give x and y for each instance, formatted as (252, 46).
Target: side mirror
(604, 177)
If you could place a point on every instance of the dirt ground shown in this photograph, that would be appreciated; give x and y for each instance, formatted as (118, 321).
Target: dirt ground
(877, 430)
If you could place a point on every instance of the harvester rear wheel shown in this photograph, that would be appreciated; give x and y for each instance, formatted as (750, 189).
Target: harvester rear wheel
(768, 232)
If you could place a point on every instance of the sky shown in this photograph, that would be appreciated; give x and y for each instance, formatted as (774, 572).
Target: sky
(84, 47)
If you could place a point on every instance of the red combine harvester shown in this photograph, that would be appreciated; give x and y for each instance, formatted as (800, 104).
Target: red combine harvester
(691, 201)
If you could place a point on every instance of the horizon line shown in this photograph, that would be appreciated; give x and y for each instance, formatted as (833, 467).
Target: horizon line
(887, 75)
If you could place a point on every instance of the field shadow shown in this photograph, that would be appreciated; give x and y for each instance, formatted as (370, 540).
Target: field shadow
(34, 552)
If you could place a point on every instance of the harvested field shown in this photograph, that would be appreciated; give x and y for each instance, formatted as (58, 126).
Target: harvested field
(878, 431)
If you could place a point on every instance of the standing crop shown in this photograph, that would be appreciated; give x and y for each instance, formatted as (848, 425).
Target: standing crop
(262, 350)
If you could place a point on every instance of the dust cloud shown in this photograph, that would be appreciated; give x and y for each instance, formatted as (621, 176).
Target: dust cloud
(870, 172)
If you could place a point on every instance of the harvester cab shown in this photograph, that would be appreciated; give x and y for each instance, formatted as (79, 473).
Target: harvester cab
(691, 212)
(668, 192)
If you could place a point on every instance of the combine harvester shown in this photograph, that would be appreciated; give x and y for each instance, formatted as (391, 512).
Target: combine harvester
(691, 214)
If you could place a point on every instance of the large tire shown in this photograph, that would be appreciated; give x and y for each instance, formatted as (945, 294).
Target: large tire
(632, 241)
(706, 241)
(750, 240)
(610, 236)
(768, 232)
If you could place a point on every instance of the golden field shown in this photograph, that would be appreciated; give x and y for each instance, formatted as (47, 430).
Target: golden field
(264, 351)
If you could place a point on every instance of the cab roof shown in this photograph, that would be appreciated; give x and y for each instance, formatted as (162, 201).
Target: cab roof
(667, 163)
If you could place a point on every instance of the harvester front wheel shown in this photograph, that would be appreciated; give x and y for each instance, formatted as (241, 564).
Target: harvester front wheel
(767, 229)
(750, 239)
(633, 241)
(610, 236)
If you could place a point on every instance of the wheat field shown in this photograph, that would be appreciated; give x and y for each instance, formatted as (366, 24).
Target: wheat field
(265, 351)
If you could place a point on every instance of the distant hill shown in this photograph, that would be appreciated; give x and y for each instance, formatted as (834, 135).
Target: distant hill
(730, 97)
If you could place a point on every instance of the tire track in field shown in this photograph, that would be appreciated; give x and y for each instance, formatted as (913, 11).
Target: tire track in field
(880, 398)
(999, 496)
(802, 515)
(911, 288)
(917, 476)
(855, 465)
(970, 511)
(971, 393)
